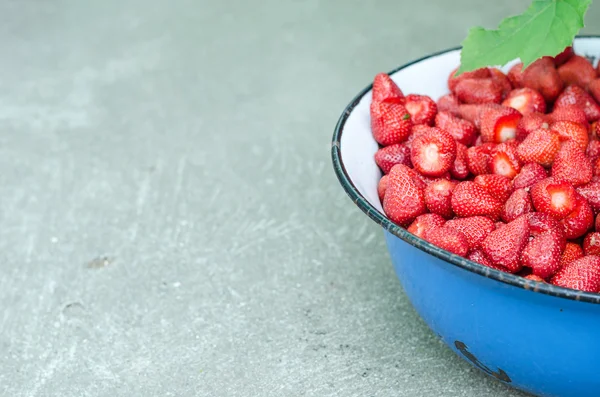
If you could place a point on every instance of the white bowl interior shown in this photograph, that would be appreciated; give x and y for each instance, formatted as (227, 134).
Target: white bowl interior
(426, 77)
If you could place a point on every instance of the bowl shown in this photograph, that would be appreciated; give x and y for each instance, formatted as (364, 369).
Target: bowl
(533, 336)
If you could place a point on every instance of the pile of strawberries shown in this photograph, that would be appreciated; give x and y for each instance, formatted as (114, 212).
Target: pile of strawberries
(504, 170)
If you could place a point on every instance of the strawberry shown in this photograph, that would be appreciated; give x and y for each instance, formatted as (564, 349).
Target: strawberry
(499, 125)
(437, 197)
(504, 246)
(596, 167)
(591, 244)
(564, 56)
(404, 199)
(390, 122)
(504, 160)
(475, 229)
(540, 222)
(529, 175)
(571, 131)
(570, 164)
(533, 277)
(475, 74)
(460, 168)
(518, 203)
(593, 150)
(382, 187)
(428, 180)
(422, 109)
(568, 113)
(425, 222)
(525, 100)
(480, 257)
(474, 113)
(531, 122)
(497, 186)
(448, 239)
(542, 76)
(594, 89)
(462, 131)
(384, 89)
(478, 158)
(539, 147)
(471, 199)
(582, 274)
(577, 96)
(389, 156)
(515, 75)
(542, 254)
(448, 103)
(433, 153)
(577, 70)
(578, 222)
(571, 252)
(500, 78)
(553, 197)
(597, 223)
(477, 91)
(591, 192)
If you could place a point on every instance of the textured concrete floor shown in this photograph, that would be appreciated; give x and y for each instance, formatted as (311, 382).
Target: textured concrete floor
(170, 224)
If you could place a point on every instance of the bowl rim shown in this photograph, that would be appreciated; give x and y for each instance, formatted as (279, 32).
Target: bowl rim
(403, 234)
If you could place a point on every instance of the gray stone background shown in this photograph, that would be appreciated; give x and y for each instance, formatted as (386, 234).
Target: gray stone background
(170, 221)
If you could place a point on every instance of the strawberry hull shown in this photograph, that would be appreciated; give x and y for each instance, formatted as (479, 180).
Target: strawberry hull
(527, 334)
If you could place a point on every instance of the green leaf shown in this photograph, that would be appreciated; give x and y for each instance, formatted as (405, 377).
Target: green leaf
(545, 28)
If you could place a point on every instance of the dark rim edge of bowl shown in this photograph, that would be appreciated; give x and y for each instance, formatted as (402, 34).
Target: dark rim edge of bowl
(403, 234)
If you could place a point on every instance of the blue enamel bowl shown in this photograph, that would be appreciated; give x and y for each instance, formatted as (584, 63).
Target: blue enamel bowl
(534, 336)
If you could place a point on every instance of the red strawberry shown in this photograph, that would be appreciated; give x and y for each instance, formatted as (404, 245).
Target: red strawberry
(404, 199)
(568, 113)
(539, 147)
(594, 89)
(542, 254)
(433, 154)
(428, 180)
(556, 198)
(571, 252)
(501, 79)
(531, 122)
(448, 239)
(438, 196)
(480, 257)
(478, 158)
(577, 70)
(474, 113)
(582, 274)
(570, 164)
(475, 228)
(389, 156)
(504, 160)
(593, 150)
(597, 223)
(390, 122)
(515, 75)
(460, 168)
(570, 131)
(499, 125)
(382, 186)
(470, 199)
(577, 96)
(384, 89)
(542, 76)
(529, 175)
(422, 109)
(453, 80)
(540, 222)
(504, 246)
(477, 91)
(596, 167)
(425, 222)
(578, 222)
(497, 186)
(591, 192)
(591, 244)
(518, 203)
(448, 103)
(526, 101)
(564, 56)
(462, 131)
(533, 277)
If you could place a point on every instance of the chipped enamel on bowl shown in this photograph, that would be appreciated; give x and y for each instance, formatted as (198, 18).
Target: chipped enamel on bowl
(534, 336)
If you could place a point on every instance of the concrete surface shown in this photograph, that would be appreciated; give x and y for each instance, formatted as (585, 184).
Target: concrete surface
(170, 223)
